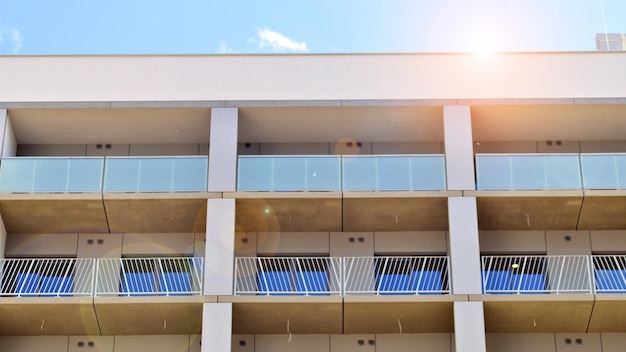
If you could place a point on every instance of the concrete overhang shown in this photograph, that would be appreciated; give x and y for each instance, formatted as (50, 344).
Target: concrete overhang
(603, 210)
(399, 314)
(536, 313)
(150, 315)
(34, 316)
(278, 315)
(609, 313)
(528, 210)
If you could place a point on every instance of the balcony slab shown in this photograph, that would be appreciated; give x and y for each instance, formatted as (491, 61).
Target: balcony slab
(527, 210)
(269, 214)
(603, 210)
(399, 314)
(536, 313)
(30, 316)
(609, 313)
(180, 315)
(275, 314)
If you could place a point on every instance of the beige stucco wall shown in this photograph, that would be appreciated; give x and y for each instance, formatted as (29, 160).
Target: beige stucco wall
(312, 77)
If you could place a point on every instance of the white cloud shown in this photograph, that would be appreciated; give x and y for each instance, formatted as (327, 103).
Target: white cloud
(13, 35)
(225, 49)
(278, 42)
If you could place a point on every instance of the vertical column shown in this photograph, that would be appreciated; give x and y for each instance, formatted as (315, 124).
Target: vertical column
(223, 150)
(457, 127)
(5, 128)
(464, 246)
(469, 330)
(217, 321)
(219, 254)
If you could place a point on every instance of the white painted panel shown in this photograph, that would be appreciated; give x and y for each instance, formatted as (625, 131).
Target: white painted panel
(245, 244)
(152, 343)
(413, 343)
(608, 241)
(99, 245)
(407, 148)
(242, 343)
(223, 150)
(603, 146)
(150, 244)
(91, 344)
(464, 246)
(505, 147)
(512, 242)
(351, 244)
(294, 149)
(41, 245)
(457, 126)
(219, 256)
(51, 150)
(163, 149)
(9, 147)
(613, 341)
(578, 343)
(293, 243)
(410, 243)
(300, 343)
(520, 343)
(353, 343)
(105, 149)
(217, 332)
(469, 327)
(557, 146)
(568, 242)
(34, 343)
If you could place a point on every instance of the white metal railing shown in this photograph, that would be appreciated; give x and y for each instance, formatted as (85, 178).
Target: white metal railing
(149, 277)
(537, 274)
(288, 275)
(609, 273)
(396, 275)
(61, 277)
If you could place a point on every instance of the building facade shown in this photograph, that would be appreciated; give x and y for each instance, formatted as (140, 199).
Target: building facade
(433, 202)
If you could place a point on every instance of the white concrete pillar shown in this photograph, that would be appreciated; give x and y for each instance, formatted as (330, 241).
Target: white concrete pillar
(469, 327)
(3, 238)
(459, 148)
(217, 322)
(219, 254)
(223, 150)
(464, 245)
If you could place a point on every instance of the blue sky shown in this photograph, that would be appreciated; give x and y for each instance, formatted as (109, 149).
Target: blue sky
(292, 26)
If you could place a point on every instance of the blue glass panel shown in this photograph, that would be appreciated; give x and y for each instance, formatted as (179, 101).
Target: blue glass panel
(56, 284)
(155, 174)
(528, 172)
(359, 173)
(190, 174)
(528, 283)
(497, 281)
(85, 175)
(393, 284)
(27, 282)
(178, 282)
(562, 172)
(289, 174)
(254, 174)
(620, 163)
(138, 282)
(599, 171)
(394, 173)
(312, 281)
(427, 282)
(274, 281)
(611, 281)
(121, 175)
(17, 175)
(428, 172)
(494, 172)
(323, 174)
(51, 175)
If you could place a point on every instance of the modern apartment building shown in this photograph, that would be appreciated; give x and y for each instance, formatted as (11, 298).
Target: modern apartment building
(410, 202)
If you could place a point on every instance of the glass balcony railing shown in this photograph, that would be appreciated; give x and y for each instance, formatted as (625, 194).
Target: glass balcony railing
(393, 172)
(289, 173)
(603, 171)
(528, 171)
(335, 173)
(156, 174)
(51, 175)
